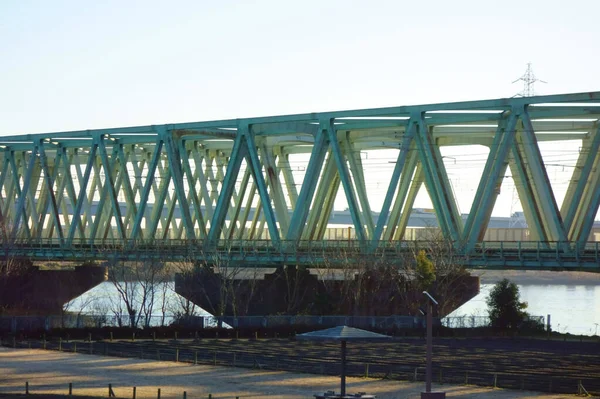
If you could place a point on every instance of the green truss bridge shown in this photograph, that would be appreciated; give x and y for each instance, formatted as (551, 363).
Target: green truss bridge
(261, 191)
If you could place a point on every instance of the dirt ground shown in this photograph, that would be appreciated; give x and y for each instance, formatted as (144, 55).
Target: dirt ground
(51, 372)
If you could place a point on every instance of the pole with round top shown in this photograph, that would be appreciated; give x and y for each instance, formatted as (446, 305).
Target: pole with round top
(343, 371)
(342, 334)
(428, 359)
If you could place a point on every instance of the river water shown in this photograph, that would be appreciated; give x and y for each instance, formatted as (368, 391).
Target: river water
(572, 302)
(571, 299)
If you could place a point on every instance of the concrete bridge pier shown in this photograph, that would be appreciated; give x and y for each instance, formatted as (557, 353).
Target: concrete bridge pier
(43, 292)
(289, 290)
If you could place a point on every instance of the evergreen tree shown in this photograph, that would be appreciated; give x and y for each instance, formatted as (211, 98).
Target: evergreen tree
(425, 270)
(505, 309)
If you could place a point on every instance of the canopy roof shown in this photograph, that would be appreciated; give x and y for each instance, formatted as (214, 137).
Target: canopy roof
(342, 333)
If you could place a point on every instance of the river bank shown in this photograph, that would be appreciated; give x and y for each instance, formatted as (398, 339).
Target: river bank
(530, 277)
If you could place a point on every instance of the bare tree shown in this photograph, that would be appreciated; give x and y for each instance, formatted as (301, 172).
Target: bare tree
(373, 285)
(326, 300)
(156, 277)
(453, 283)
(236, 284)
(222, 272)
(83, 305)
(165, 289)
(183, 309)
(352, 283)
(340, 277)
(115, 305)
(432, 263)
(136, 283)
(217, 283)
(295, 278)
(14, 273)
(100, 310)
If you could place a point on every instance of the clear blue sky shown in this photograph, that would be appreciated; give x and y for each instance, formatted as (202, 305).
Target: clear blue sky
(91, 64)
(68, 65)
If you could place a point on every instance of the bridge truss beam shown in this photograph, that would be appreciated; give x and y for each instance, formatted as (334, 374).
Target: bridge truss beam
(213, 182)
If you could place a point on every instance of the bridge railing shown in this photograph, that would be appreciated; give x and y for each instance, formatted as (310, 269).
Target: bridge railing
(499, 253)
(263, 243)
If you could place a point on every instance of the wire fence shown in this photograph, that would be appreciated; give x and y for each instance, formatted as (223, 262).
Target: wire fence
(16, 324)
(88, 389)
(484, 321)
(312, 363)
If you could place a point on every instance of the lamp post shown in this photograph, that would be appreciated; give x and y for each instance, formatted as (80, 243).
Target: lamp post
(428, 372)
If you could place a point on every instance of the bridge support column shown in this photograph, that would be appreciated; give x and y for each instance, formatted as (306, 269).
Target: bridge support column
(44, 292)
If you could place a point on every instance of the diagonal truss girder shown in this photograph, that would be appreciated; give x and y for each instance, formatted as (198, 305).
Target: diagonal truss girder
(236, 179)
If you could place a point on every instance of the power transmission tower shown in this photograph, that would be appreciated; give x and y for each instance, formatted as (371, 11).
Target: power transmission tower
(528, 81)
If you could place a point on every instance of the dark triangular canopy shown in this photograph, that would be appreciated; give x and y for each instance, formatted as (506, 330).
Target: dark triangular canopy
(342, 333)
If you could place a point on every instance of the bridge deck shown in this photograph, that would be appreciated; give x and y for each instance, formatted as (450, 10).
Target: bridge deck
(329, 253)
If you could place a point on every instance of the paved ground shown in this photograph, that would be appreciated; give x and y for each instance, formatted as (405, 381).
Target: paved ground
(51, 372)
(511, 363)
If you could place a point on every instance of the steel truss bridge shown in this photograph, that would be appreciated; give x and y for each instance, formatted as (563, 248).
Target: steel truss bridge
(187, 189)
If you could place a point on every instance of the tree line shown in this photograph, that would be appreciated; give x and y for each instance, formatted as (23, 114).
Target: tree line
(365, 287)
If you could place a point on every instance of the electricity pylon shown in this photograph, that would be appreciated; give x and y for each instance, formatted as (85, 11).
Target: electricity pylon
(528, 82)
